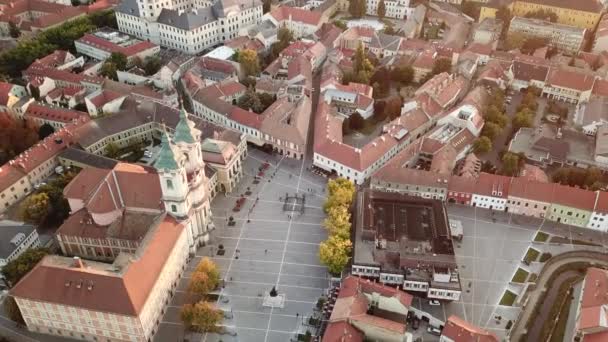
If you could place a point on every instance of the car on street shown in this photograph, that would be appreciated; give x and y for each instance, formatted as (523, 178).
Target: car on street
(434, 302)
(433, 330)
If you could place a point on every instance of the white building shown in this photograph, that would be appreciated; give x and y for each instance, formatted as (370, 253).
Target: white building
(301, 22)
(190, 26)
(398, 9)
(491, 192)
(569, 39)
(183, 183)
(599, 216)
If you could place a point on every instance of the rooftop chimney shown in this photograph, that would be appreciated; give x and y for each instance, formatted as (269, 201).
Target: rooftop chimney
(78, 262)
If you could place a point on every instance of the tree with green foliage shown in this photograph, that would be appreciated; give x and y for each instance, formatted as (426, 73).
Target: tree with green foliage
(512, 164)
(202, 317)
(381, 9)
(495, 115)
(356, 121)
(491, 130)
(340, 24)
(35, 92)
(45, 130)
(504, 13)
(249, 62)
(392, 108)
(470, 8)
(531, 44)
(380, 82)
(15, 269)
(362, 66)
(16, 136)
(482, 145)
(389, 29)
(542, 14)
(112, 150)
(441, 65)
(35, 208)
(13, 30)
(12, 310)
(590, 178)
(109, 70)
(403, 74)
(62, 37)
(152, 64)
(335, 253)
(119, 59)
(284, 39)
(357, 8)
(523, 118)
(251, 101)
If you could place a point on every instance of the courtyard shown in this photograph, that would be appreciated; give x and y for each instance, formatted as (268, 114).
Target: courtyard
(270, 244)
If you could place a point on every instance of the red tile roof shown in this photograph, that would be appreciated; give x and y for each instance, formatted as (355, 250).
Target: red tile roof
(104, 190)
(5, 89)
(532, 190)
(9, 175)
(104, 97)
(352, 304)
(283, 13)
(570, 79)
(342, 332)
(459, 330)
(600, 87)
(214, 64)
(574, 197)
(461, 184)
(594, 298)
(124, 292)
(53, 113)
(108, 46)
(490, 185)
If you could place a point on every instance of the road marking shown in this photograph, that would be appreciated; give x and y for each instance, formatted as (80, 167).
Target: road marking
(276, 262)
(285, 248)
(267, 240)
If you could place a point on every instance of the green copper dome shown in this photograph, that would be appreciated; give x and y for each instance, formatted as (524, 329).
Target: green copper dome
(166, 158)
(182, 130)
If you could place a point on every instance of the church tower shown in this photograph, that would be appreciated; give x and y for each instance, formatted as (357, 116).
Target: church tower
(183, 182)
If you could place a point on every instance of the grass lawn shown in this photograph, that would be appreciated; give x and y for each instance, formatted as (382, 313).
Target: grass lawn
(520, 276)
(541, 237)
(508, 298)
(531, 255)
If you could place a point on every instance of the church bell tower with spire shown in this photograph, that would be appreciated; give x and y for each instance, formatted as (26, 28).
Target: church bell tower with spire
(181, 170)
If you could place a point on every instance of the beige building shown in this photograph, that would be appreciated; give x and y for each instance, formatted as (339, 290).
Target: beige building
(488, 31)
(569, 39)
(226, 159)
(95, 301)
(529, 198)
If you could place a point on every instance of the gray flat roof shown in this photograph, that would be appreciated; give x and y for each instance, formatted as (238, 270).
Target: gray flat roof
(10, 230)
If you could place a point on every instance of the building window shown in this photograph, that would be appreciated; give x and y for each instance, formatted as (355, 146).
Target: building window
(169, 184)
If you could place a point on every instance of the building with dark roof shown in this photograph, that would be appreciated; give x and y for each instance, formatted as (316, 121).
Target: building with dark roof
(405, 241)
(16, 238)
(189, 28)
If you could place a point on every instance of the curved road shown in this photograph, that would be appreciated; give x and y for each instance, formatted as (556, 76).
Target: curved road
(547, 305)
(591, 258)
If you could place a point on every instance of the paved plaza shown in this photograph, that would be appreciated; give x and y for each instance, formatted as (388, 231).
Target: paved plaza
(276, 245)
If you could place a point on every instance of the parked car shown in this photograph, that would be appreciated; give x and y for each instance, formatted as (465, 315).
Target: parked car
(434, 302)
(433, 330)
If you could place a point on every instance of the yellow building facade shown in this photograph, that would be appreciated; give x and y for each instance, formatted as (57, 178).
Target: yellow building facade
(581, 13)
